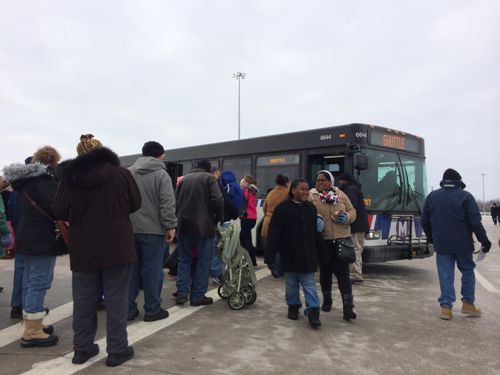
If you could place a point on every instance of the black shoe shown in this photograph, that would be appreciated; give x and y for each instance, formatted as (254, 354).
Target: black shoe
(49, 330)
(293, 312)
(327, 304)
(132, 315)
(116, 359)
(180, 299)
(313, 316)
(81, 357)
(202, 301)
(49, 341)
(162, 314)
(16, 313)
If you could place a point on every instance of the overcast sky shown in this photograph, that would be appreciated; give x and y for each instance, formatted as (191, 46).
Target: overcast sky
(133, 71)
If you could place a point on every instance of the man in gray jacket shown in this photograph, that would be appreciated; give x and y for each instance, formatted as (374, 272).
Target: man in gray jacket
(200, 206)
(154, 223)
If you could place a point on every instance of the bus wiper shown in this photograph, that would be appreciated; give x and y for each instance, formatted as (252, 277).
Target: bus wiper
(399, 165)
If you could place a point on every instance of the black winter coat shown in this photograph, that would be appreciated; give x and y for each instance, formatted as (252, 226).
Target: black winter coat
(96, 196)
(353, 192)
(35, 233)
(293, 233)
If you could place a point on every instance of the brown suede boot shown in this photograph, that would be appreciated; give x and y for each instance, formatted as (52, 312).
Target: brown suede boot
(446, 312)
(470, 309)
(34, 336)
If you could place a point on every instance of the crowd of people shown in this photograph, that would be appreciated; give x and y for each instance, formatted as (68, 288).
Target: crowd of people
(121, 220)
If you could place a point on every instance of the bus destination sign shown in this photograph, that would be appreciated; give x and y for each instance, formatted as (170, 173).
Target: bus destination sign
(383, 138)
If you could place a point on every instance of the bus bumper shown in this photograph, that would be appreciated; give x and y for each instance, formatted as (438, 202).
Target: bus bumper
(374, 254)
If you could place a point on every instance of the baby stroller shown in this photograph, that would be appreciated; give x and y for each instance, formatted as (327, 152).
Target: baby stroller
(239, 281)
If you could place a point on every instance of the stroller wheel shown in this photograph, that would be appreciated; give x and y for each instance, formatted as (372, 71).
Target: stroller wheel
(224, 291)
(249, 294)
(236, 301)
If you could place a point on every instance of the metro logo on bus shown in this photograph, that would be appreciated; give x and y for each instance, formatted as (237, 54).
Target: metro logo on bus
(394, 141)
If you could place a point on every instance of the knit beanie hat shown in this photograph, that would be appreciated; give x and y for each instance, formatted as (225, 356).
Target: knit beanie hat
(451, 174)
(87, 143)
(153, 149)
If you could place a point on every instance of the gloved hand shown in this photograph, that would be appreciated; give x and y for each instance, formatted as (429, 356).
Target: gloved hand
(6, 240)
(320, 224)
(342, 218)
(486, 246)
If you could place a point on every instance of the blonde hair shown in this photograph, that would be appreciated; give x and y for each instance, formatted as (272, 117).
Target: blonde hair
(47, 155)
(87, 143)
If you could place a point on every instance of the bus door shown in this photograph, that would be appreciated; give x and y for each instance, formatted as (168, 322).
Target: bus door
(174, 170)
(332, 162)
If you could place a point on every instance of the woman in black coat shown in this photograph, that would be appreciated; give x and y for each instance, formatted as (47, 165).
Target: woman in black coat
(36, 239)
(293, 233)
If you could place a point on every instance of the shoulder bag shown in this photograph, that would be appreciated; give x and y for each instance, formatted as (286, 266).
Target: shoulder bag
(344, 250)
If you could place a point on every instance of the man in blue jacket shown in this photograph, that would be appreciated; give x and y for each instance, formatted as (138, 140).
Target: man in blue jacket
(449, 217)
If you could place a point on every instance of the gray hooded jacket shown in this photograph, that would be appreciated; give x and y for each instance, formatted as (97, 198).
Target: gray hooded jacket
(157, 212)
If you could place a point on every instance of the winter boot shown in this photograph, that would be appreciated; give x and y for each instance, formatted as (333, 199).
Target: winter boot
(327, 301)
(446, 313)
(313, 316)
(293, 312)
(348, 306)
(34, 336)
(470, 309)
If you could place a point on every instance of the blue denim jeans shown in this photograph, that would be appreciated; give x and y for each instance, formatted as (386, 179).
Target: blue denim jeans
(17, 284)
(37, 279)
(215, 262)
(150, 253)
(197, 282)
(293, 281)
(446, 271)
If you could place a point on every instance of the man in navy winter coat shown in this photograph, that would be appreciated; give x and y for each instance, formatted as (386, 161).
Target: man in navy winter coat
(449, 217)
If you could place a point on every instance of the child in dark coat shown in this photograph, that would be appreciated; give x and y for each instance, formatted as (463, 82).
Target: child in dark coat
(293, 232)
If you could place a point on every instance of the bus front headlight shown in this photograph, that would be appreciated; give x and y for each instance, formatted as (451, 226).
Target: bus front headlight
(373, 235)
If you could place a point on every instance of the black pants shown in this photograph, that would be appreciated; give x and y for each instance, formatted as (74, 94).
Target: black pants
(339, 269)
(495, 219)
(246, 237)
(86, 287)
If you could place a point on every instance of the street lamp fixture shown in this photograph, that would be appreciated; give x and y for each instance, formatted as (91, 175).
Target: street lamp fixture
(239, 76)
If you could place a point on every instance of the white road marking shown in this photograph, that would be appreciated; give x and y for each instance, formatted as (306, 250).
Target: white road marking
(486, 284)
(136, 332)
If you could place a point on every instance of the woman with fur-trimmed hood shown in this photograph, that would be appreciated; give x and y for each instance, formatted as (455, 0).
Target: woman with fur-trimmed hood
(96, 196)
(36, 239)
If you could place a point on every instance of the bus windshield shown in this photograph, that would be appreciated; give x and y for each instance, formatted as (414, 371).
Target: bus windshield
(393, 182)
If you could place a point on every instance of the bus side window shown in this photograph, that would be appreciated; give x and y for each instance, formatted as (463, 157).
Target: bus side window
(239, 166)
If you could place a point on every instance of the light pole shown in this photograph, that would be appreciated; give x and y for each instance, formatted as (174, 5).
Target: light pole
(484, 202)
(239, 76)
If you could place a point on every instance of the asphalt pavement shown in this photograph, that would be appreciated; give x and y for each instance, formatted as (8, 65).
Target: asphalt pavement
(398, 330)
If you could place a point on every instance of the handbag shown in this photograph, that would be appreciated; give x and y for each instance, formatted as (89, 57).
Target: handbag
(60, 227)
(344, 250)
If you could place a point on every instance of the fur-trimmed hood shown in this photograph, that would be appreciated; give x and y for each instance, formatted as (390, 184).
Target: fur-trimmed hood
(90, 169)
(17, 174)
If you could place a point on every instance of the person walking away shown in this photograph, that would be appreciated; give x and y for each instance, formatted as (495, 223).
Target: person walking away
(154, 224)
(248, 217)
(277, 195)
(359, 227)
(495, 212)
(294, 234)
(35, 185)
(96, 196)
(200, 206)
(337, 211)
(449, 218)
(233, 201)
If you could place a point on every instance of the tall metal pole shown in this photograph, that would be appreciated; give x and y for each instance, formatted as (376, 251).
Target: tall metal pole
(484, 202)
(239, 76)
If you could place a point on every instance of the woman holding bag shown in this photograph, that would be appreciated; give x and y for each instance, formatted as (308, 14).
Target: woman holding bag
(337, 212)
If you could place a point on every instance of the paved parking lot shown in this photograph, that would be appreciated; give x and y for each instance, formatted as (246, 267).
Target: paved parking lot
(398, 330)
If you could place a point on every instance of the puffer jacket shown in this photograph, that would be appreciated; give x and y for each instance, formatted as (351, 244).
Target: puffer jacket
(333, 230)
(96, 196)
(35, 234)
(157, 212)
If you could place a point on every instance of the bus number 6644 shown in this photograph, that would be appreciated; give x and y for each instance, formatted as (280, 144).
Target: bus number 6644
(325, 137)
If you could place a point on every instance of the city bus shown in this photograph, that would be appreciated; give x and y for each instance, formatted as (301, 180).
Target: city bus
(389, 164)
